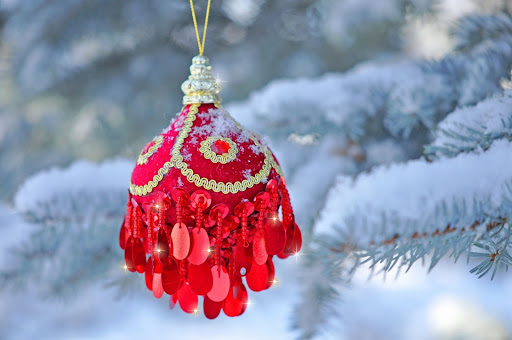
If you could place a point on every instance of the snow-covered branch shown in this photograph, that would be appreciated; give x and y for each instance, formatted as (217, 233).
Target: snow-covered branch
(470, 128)
(393, 98)
(76, 213)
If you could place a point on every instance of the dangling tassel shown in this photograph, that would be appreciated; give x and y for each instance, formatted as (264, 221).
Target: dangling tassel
(124, 233)
(293, 234)
(275, 231)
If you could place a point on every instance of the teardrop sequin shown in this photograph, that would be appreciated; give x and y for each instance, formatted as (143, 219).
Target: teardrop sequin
(180, 241)
(148, 275)
(200, 278)
(259, 249)
(200, 246)
(158, 289)
(220, 285)
(211, 308)
(170, 277)
(139, 256)
(187, 299)
(128, 255)
(257, 279)
(275, 236)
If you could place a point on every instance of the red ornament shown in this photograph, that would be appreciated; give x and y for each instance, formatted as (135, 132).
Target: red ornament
(203, 207)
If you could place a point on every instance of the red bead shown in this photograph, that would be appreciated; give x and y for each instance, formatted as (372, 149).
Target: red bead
(271, 185)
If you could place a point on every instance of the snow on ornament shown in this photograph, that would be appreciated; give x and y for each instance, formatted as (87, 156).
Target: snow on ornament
(202, 214)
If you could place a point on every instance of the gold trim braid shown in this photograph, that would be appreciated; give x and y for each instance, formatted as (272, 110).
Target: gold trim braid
(178, 163)
(144, 156)
(208, 153)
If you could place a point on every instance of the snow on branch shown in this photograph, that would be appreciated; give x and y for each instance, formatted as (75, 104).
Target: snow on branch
(399, 96)
(470, 128)
(434, 206)
(76, 214)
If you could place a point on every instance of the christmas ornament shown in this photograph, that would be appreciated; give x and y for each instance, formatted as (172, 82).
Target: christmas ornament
(203, 209)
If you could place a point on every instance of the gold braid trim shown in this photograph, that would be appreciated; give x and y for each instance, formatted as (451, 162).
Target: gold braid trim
(178, 163)
(143, 157)
(206, 150)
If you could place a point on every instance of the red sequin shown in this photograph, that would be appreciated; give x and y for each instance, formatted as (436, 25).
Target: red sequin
(180, 241)
(170, 277)
(158, 289)
(187, 299)
(220, 285)
(200, 278)
(211, 308)
(200, 244)
(257, 279)
(259, 249)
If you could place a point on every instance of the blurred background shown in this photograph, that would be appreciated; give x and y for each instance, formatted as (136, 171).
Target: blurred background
(99, 78)
(96, 79)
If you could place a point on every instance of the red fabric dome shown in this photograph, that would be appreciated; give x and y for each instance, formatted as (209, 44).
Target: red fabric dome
(209, 121)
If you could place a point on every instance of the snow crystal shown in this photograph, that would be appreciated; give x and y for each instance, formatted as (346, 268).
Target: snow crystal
(178, 123)
(254, 148)
(187, 156)
(220, 124)
(179, 182)
(247, 173)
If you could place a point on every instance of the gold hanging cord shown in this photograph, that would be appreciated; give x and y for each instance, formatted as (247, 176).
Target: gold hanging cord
(199, 44)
